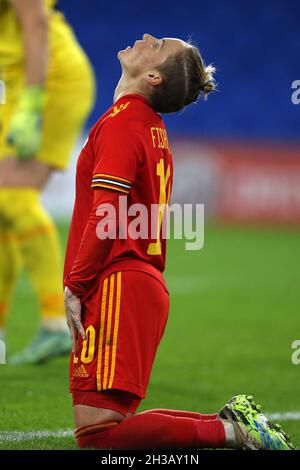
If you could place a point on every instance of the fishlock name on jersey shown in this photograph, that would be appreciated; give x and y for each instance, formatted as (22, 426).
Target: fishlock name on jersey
(159, 138)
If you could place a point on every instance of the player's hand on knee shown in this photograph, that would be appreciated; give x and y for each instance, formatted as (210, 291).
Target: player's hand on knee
(73, 312)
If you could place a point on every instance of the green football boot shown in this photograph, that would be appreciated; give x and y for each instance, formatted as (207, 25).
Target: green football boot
(253, 430)
(47, 345)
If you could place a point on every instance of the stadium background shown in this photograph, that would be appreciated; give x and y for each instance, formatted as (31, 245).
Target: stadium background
(231, 142)
(235, 304)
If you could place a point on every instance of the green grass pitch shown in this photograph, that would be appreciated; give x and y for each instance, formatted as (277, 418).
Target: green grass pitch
(234, 315)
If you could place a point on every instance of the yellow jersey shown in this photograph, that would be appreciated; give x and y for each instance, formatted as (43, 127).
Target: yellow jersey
(69, 85)
(11, 41)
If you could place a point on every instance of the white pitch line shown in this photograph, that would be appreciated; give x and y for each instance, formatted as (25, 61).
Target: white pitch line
(287, 416)
(18, 436)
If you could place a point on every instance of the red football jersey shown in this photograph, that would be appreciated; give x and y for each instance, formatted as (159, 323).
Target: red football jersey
(127, 151)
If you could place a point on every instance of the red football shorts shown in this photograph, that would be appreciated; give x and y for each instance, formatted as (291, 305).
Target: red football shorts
(124, 322)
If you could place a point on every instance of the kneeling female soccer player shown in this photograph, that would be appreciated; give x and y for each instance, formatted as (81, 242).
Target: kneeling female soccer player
(116, 299)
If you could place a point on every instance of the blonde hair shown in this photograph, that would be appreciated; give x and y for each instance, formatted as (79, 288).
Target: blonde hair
(206, 73)
(186, 77)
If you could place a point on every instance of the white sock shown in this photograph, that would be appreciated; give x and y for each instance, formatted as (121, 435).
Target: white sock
(231, 441)
(55, 324)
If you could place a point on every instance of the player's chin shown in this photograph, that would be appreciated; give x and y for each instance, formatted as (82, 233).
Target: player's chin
(124, 51)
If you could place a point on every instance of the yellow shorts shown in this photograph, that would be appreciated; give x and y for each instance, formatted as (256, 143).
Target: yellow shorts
(70, 91)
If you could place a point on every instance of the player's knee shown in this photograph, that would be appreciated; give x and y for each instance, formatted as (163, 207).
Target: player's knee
(93, 426)
(96, 436)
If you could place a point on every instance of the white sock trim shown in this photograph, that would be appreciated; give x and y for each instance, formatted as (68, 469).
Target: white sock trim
(231, 441)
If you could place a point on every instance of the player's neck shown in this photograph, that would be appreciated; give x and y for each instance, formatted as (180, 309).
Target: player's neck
(128, 87)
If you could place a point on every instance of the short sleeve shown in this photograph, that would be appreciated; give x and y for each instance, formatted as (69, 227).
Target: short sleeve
(118, 151)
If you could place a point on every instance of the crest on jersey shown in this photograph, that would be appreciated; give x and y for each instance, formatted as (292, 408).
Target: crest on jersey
(118, 109)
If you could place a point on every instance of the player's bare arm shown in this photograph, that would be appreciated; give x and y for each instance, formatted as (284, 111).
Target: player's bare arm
(34, 22)
(26, 126)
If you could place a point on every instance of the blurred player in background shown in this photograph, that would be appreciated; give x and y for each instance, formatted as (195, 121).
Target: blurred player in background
(116, 297)
(49, 93)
